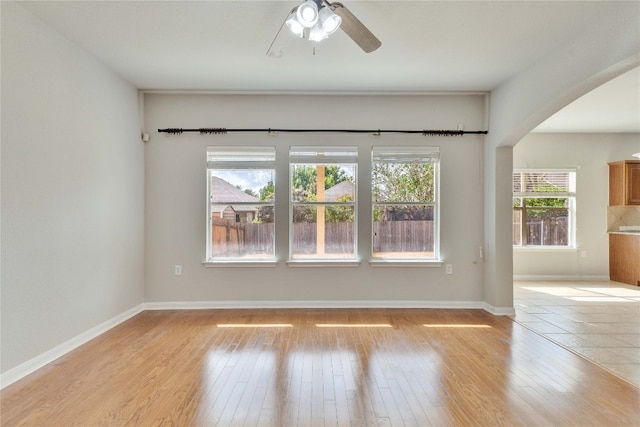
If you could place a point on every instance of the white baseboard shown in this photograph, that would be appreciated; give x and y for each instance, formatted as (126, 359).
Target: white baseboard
(196, 305)
(24, 369)
(499, 311)
(560, 278)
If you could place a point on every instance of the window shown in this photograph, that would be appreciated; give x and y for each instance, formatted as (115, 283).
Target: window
(404, 190)
(544, 208)
(323, 213)
(241, 213)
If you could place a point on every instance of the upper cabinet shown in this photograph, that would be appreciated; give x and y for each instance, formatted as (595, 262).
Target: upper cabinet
(624, 183)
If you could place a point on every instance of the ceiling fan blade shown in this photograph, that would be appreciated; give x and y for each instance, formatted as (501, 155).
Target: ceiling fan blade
(355, 29)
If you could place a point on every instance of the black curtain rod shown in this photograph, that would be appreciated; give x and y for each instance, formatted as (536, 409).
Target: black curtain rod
(425, 132)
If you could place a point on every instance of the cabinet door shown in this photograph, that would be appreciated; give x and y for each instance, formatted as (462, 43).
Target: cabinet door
(616, 184)
(633, 183)
(624, 253)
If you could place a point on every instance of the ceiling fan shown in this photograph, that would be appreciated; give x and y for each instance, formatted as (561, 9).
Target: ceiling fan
(315, 20)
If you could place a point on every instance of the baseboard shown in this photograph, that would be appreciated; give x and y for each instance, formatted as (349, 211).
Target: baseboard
(24, 369)
(196, 305)
(560, 278)
(499, 311)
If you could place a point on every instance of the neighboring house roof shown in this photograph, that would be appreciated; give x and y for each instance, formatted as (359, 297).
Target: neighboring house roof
(225, 194)
(345, 188)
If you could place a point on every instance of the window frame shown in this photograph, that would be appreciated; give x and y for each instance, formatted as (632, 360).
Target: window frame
(411, 154)
(238, 158)
(570, 195)
(327, 155)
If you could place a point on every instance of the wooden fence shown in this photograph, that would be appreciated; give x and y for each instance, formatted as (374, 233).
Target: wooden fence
(548, 232)
(403, 236)
(238, 240)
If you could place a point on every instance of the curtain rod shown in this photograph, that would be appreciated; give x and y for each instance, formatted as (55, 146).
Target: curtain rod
(223, 131)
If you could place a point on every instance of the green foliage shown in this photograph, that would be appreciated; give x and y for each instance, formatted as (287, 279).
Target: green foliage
(558, 204)
(265, 213)
(334, 175)
(340, 213)
(305, 178)
(403, 182)
(304, 183)
(266, 193)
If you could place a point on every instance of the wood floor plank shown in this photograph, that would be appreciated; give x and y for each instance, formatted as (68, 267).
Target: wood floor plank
(277, 368)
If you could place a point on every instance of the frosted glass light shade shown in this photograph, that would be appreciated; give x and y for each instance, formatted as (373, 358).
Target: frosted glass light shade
(330, 21)
(295, 26)
(307, 14)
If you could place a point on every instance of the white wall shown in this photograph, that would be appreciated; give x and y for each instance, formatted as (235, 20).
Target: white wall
(589, 154)
(517, 106)
(176, 202)
(72, 191)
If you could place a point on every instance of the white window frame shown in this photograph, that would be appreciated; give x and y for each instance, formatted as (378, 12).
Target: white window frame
(230, 158)
(325, 155)
(409, 154)
(571, 206)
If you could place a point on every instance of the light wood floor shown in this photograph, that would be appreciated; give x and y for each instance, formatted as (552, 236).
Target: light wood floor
(320, 367)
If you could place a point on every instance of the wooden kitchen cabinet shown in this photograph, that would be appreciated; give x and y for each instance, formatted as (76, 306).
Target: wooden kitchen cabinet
(624, 258)
(624, 183)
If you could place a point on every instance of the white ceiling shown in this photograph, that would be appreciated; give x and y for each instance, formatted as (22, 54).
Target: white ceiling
(426, 46)
(612, 107)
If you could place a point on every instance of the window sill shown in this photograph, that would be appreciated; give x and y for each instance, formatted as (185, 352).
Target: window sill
(404, 263)
(544, 249)
(323, 263)
(242, 264)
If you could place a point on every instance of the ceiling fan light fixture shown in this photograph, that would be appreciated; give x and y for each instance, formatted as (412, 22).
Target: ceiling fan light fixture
(329, 21)
(317, 33)
(307, 14)
(295, 26)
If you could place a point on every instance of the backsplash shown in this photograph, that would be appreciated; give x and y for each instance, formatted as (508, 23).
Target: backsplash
(622, 216)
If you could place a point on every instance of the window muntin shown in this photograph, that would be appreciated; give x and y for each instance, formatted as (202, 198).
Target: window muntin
(241, 209)
(544, 208)
(323, 210)
(404, 207)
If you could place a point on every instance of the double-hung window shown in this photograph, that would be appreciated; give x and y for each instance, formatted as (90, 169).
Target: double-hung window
(241, 210)
(323, 183)
(405, 196)
(544, 208)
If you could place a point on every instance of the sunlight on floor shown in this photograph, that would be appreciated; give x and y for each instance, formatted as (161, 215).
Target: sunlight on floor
(455, 326)
(588, 294)
(616, 292)
(254, 325)
(353, 325)
(598, 321)
(599, 299)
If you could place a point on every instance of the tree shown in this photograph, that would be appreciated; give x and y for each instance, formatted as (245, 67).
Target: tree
(304, 183)
(402, 182)
(266, 194)
(304, 180)
(340, 213)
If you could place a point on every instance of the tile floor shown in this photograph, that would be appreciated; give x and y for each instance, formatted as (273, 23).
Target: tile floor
(598, 320)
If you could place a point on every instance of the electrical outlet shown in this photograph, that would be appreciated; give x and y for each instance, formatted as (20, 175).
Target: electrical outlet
(178, 270)
(448, 268)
